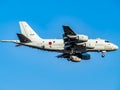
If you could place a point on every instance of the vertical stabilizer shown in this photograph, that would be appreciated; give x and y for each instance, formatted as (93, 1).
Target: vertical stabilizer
(28, 31)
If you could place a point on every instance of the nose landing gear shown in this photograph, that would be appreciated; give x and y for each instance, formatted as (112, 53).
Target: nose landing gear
(103, 54)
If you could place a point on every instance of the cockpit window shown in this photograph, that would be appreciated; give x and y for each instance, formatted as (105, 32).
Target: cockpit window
(106, 41)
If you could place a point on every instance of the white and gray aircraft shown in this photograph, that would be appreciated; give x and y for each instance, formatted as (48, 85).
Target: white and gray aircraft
(73, 47)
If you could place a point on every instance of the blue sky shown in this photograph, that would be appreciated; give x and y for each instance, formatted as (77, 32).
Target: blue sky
(23, 68)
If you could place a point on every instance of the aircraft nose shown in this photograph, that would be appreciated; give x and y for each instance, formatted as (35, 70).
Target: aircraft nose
(115, 47)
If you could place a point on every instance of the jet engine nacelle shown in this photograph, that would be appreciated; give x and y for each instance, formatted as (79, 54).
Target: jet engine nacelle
(75, 58)
(85, 56)
(83, 38)
(90, 45)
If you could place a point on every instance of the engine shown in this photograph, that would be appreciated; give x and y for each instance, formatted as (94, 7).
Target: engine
(83, 38)
(84, 56)
(90, 45)
(75, 58)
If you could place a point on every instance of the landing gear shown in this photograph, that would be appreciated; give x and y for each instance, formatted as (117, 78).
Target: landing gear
(103, 54)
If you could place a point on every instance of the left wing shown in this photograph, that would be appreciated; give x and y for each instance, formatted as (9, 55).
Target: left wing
(68, 30)
(72, 40)
(74, 45)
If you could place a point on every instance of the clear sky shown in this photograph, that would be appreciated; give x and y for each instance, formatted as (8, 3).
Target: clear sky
(23, 68)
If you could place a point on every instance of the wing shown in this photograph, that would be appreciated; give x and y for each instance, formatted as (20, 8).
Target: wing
(68, 30)
(70, 38)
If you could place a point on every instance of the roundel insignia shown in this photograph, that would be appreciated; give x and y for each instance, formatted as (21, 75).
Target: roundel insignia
(50, 43)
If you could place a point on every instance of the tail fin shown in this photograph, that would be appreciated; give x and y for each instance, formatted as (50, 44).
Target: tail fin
(28, 32)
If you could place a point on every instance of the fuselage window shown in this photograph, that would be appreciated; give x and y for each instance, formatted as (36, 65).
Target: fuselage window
(106, 41)
(53, 41)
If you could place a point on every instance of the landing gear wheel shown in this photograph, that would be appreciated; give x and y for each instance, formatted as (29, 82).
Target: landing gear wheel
(103, 56)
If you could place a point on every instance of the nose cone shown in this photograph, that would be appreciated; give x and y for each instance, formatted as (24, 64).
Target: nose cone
(115, 47)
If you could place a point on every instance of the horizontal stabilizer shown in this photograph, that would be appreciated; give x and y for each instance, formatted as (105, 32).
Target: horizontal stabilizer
(13, 41)
(23, 38)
